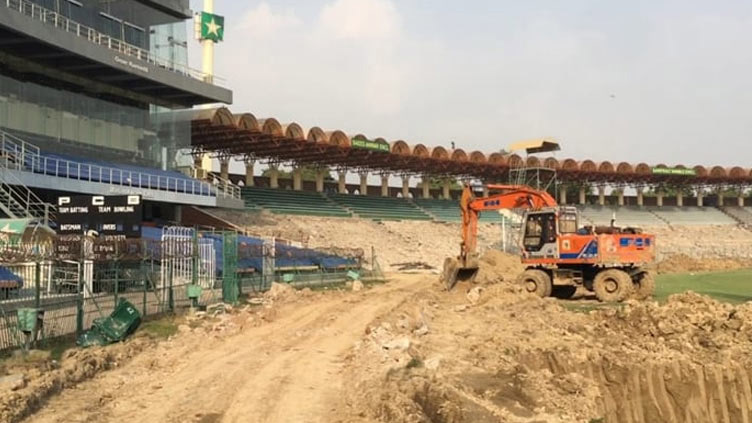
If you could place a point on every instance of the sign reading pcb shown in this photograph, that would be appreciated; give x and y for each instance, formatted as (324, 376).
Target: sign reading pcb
(119, 215)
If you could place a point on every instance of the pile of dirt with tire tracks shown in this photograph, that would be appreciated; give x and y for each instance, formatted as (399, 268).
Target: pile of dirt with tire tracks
(508, 356)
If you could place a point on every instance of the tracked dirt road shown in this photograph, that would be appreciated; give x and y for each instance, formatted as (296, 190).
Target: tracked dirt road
(287, 370)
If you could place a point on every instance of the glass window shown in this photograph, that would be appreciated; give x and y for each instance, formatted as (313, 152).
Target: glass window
(134, 35)
(65, 122)
(169, 42)
(111, 26)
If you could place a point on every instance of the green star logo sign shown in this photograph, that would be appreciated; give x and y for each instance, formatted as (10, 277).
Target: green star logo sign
(212, 27)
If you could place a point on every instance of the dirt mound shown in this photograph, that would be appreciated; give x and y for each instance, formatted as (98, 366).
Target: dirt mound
(279, 292)
(514, 357)
(497, 266)
(691, 324)
(681, 263)
(42, 379)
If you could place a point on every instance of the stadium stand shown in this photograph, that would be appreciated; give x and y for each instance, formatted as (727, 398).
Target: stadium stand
(625, 216)
(292, 202)
(742, 214)
(250, 254)
(692, 216)
(449, 211)
(118, 174)
(281, 201)
(30, 159)
(380, 208)
(444, 210)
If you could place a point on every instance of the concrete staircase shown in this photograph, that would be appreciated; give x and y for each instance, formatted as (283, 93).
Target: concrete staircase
(740, 214)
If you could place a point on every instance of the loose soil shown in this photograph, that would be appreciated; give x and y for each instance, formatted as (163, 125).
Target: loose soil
(408, 351)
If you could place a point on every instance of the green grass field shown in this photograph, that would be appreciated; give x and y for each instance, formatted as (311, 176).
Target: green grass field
(734, 286)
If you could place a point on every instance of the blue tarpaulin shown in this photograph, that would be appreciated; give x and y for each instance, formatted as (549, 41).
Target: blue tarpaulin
(8, 278)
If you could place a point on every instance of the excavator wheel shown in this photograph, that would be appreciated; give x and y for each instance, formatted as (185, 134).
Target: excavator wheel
(536, 282)
(644, 286)
(612, 285)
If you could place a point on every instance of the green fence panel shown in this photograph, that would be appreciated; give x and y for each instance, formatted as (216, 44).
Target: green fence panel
(230, 290)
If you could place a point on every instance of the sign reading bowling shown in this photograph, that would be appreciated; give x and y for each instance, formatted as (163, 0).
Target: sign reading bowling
(117, 215)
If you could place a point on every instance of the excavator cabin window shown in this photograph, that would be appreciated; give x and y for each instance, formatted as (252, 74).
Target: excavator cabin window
(567, 223)
(540, 229)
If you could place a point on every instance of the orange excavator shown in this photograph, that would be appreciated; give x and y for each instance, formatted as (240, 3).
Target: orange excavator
(556, 251)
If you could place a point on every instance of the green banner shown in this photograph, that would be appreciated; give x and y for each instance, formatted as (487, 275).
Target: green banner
(370, 145)
(673, 171)
(14, 226)
(212, 27)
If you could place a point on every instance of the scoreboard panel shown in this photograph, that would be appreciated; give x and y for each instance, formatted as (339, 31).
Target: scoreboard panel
(111, 216)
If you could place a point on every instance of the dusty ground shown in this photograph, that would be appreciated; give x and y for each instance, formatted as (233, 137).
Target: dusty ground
(408, 351)
(282, 363)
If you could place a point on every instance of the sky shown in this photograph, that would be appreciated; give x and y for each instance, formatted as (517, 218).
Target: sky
(661, 81)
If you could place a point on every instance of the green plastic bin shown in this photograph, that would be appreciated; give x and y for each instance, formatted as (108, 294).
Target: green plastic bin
(123, 321)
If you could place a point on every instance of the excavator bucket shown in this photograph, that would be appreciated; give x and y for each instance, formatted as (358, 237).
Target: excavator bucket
(453, 273)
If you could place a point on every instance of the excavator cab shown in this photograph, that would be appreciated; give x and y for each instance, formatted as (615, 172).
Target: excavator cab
(541, 230)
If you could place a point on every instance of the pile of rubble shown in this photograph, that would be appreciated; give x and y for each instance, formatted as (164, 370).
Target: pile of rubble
(493, 353)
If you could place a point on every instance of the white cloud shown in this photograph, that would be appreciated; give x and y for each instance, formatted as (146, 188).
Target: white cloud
(361, 20)
(262, 22)
(349, 55)
(617, 85)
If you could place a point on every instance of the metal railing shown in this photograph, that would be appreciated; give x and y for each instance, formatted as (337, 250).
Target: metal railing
(21, 198)
(225, 186)
(17, 154)
(51, 17)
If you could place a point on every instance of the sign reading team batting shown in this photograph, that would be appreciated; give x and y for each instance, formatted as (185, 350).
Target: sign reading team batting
(116, 215)
(370, 145)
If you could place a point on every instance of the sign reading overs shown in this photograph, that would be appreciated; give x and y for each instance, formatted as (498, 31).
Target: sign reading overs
(212, 27)
(112, 216)
(673, 171)
(370, 145)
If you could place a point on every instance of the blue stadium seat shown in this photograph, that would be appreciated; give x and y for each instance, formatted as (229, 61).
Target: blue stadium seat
(83, 169)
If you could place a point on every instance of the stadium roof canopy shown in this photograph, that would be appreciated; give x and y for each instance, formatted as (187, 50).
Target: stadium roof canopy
(222, 133)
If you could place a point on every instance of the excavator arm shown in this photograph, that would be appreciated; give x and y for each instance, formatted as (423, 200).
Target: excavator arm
(465, 267)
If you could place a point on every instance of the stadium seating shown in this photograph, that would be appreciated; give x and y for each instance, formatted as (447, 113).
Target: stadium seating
(449, 210)
(119, 174)
(78, 168)
(69, 166)
(250, 256)
(280, 201)
(692, 216)
(625, 216)
(380, 208)
(741, 214)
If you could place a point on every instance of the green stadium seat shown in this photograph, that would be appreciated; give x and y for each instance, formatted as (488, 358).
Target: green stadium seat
(380, 208)
(449, 210)
(280, 201)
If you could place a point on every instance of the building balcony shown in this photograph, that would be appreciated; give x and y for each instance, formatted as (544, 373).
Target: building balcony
(38, 41)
